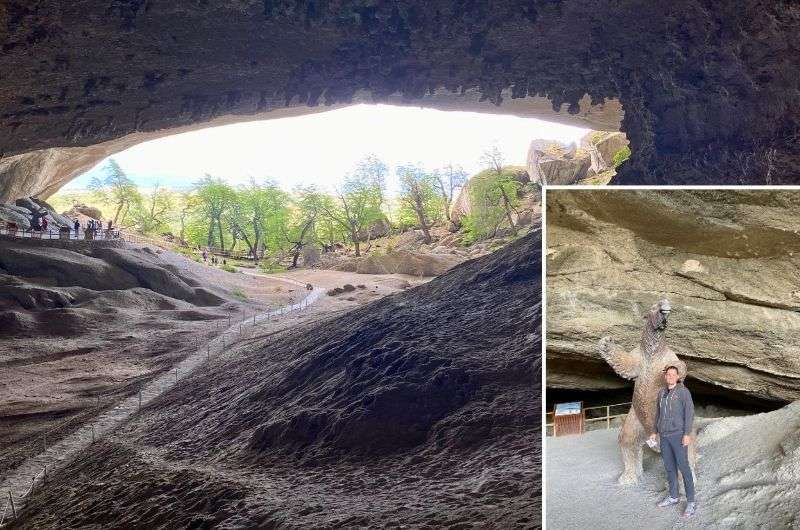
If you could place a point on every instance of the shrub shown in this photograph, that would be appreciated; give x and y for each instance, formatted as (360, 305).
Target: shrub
(621, 156)
(228, 268)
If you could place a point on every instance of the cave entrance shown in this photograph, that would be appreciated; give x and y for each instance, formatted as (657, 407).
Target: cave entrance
(40, 173)
(280, 158)
(709, 402)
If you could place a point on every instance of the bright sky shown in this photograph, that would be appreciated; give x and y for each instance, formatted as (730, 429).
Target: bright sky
(321, 148)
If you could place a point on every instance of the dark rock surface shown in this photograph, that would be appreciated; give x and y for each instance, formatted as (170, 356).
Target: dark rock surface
(422, 408)
(709, 90)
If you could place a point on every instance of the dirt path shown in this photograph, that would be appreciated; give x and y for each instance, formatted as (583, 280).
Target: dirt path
(18, 484)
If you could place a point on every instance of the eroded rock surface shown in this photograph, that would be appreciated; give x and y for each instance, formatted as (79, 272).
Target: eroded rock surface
(727, 260)
(419, 409)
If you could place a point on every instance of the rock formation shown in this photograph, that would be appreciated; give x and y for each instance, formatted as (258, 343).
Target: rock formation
(709, 94)
(602, 146)
(645, 364)
(24, 208)
(421, 409)
(726, 259)
(551, 162)
(462, 203)
(554, 163)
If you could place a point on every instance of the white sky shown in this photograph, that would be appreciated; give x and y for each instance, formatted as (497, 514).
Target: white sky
(321, 148)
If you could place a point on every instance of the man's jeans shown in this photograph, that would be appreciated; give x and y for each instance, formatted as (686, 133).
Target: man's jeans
(676, 457)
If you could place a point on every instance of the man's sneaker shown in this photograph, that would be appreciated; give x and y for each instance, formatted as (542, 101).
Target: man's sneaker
(669, 501)
(690, 509)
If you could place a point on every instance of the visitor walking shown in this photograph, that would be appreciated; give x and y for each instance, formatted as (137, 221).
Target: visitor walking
(44, 223)
(674, 418)
(77, 226)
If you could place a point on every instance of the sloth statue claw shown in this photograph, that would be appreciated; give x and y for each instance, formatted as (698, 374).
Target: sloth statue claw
(645, 364)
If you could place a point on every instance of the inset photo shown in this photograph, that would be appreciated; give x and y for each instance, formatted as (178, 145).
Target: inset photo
(672, 358)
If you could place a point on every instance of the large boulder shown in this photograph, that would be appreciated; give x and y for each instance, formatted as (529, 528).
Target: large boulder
(91, 212)
(602, 146)
(562, 171)
(726, 260)
(53, 217)
(461, 205)
(378, 228)
(551, 162)
(12, 214)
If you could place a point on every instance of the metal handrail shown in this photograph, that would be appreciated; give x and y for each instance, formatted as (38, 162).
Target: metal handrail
(101, 234)
(608, 417)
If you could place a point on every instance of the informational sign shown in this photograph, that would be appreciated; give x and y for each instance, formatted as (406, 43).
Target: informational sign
(564, 409)
(568, 418)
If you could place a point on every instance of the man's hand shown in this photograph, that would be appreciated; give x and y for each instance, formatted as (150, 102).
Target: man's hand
(685, 440)
(653, 437)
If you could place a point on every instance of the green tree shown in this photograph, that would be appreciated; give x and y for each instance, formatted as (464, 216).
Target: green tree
(154, 212)
(488, 192)
(449, 179)
(215, 197)
(419, 198)
(117, 190)
(358, 205)
(502, 184)
(187, 205)
(302, 230)
(372, 170)
(259, 216)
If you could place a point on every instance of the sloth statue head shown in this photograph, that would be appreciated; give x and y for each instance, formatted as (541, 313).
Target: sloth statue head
(658, 315)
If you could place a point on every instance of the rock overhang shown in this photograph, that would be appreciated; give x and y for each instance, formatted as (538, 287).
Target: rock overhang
(86, 74)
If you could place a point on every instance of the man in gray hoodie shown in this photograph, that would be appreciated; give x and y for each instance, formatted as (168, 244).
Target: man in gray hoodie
(674, 417)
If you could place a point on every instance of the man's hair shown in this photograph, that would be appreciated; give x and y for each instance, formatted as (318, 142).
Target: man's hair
(668, 368)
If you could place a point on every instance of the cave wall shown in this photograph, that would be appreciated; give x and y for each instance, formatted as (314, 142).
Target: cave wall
(709, 89)
(727, 260)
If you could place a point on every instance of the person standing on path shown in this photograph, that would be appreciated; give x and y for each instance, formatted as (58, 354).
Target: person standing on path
(674, 418)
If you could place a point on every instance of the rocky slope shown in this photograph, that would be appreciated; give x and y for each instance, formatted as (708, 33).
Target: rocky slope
(83, 326)
(727, 260)
(421, 409)
(709, 92)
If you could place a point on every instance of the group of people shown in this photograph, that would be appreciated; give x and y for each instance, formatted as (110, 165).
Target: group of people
(93, 224)
(214, 259)
(39, 220)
